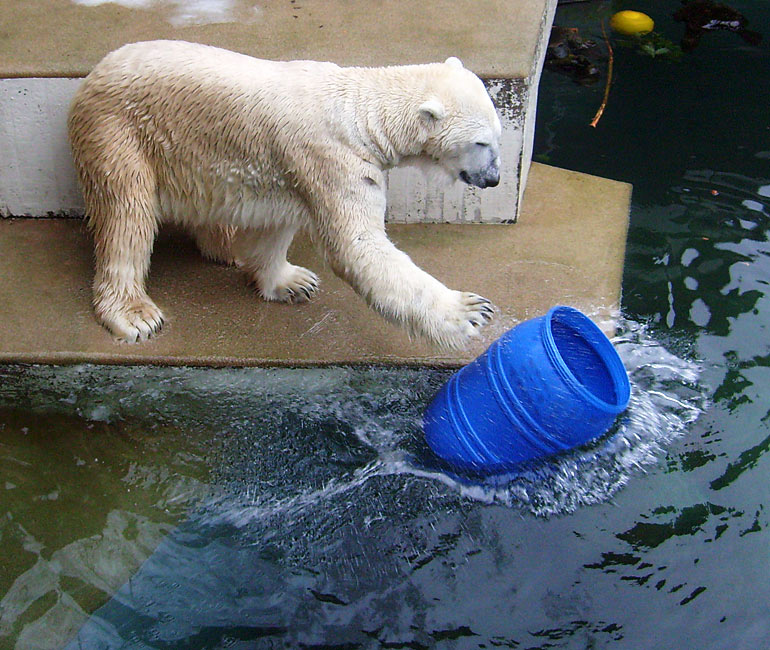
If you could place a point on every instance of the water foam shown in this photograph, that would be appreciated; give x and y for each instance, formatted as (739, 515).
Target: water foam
(666, 399)
(187, 12)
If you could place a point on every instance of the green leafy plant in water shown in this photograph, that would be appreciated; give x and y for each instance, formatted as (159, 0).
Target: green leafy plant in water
(656, 46)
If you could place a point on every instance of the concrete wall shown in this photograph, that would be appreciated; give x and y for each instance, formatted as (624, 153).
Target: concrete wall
(502, 40)
(36, 173)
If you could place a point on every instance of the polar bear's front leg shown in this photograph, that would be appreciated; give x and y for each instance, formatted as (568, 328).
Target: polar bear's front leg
(401, 291)
(407, 294)
(261, 253)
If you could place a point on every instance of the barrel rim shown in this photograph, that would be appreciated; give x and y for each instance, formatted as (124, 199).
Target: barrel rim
(604, 349)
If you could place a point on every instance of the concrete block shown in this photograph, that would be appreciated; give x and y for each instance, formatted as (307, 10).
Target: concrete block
(37, 177)
(501, 40)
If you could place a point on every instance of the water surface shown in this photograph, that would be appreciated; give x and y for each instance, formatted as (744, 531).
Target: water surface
(286, 509)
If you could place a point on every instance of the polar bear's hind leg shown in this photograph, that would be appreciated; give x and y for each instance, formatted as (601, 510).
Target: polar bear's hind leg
(123, 214)
(261, 252)
(215, 242)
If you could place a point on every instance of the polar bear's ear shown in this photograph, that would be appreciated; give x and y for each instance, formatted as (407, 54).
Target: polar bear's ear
(454, 62)
(433, 109)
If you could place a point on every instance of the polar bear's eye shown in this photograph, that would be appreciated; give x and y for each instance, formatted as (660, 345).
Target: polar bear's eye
(482, 144)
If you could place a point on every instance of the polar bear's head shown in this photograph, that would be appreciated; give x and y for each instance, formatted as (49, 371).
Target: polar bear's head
(464, 128)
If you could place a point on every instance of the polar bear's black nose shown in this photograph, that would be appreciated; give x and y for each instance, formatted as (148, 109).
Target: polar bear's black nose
(481, 179)
(492, 180)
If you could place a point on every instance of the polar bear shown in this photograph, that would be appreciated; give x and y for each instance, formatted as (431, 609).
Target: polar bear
(245, 152)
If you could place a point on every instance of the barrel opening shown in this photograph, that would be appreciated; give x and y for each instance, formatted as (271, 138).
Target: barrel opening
(586, 353)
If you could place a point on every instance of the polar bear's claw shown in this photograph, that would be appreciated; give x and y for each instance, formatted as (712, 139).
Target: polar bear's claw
(480, 309)
(133, 322)
(294, 284)
(462, 318)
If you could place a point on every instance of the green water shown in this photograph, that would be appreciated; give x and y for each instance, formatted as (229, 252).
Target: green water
(288, 509)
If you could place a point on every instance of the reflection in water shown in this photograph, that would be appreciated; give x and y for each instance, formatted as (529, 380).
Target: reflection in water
(746, 461)
(709, 261)
(83, 504)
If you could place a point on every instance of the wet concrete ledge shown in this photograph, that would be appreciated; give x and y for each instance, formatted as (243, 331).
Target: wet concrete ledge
(568, 248)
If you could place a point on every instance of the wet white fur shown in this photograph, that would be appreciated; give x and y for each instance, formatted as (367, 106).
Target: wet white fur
(245, 152)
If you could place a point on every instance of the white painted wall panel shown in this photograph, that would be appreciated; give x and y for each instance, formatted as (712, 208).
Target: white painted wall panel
(36, 173)
(37, 176)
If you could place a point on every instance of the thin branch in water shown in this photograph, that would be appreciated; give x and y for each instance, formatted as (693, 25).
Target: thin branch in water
(600, 112)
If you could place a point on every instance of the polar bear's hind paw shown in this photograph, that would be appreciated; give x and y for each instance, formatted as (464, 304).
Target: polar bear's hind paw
(294, 284)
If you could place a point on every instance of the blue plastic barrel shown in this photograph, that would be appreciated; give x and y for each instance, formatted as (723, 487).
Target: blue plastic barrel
(550, 384)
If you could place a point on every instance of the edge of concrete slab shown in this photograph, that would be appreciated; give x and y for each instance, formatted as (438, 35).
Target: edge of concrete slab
(215, 320)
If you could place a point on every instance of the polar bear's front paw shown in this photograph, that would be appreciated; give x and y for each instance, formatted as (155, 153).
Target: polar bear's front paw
(132, 321)
(462, 316)
(292, 284)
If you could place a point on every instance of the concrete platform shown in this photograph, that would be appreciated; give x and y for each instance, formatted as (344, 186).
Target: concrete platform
(47, 46)
(66, 38)
(568, 248)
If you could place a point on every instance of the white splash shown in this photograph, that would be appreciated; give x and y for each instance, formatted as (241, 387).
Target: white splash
(667, 397)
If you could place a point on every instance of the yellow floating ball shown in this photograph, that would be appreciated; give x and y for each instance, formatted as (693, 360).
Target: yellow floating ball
(632, 23)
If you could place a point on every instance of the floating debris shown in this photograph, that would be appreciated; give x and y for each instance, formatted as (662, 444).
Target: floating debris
(608, 85)
(700, 16)
(654, 45)
(572, 55)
